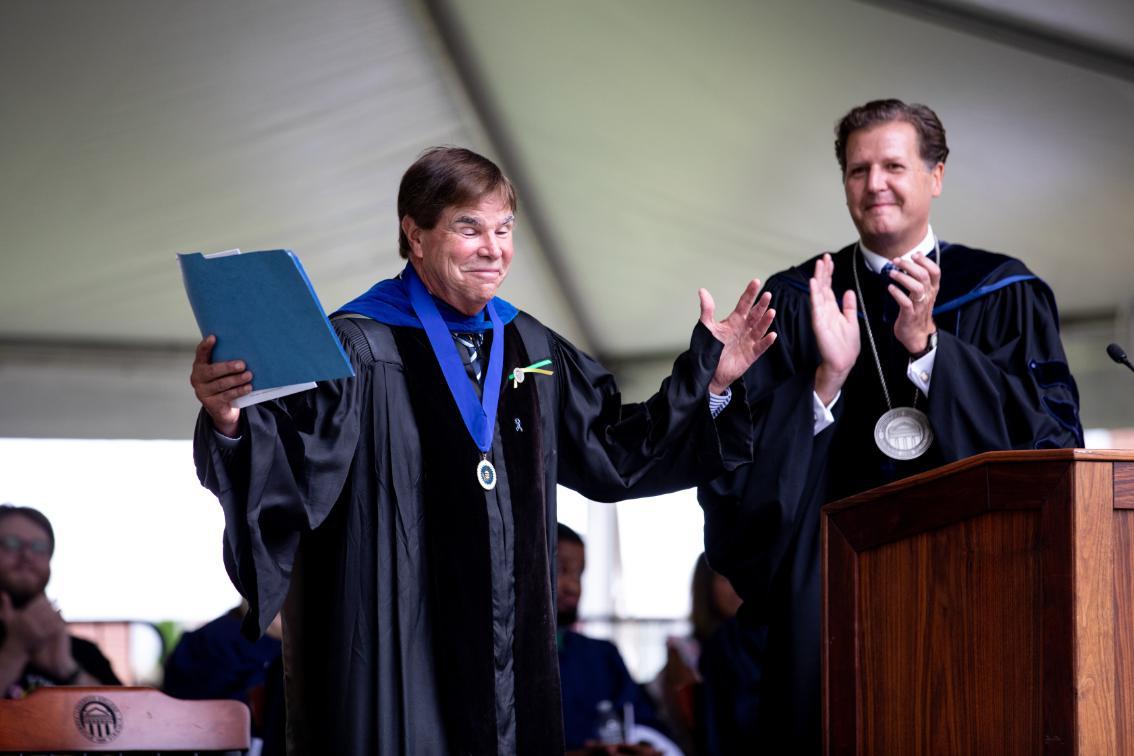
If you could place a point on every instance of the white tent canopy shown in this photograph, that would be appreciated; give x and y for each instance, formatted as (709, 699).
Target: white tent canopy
(658, 146)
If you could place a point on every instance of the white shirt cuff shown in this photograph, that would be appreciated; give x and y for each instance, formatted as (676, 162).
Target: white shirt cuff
(227, 442)
(717, 403)
(821, 413)
(920, 371)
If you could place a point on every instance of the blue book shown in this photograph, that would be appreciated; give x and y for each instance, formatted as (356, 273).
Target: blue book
(263, 310)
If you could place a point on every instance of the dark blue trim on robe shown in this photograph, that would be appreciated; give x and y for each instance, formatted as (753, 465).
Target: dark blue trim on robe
(804, 273)
(981, 291)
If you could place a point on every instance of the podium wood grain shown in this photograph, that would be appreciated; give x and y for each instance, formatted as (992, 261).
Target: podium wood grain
(118, 719)
(983, 608)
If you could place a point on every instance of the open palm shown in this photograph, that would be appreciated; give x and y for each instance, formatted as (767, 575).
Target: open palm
(836, 330)
(744, 333)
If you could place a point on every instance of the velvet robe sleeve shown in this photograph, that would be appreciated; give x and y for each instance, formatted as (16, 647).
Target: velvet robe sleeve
(292, 462)
(1000, 378)
(610, 451)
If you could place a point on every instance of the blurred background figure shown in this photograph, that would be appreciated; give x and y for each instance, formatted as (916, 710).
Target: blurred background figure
(677, 689)
(594, 678)
(730, 666)
(35, 647)
(217, 661)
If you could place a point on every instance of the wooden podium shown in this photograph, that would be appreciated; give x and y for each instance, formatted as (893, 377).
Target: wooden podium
(986, 607)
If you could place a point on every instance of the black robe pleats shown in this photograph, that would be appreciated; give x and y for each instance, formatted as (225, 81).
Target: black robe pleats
(419, 609)
(1000, 381)
(461, 558)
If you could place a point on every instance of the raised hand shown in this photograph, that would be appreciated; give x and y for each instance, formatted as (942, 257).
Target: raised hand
(744, 333)
(52, 648)
(19, 639)
(30, 626)
(217, 385)
(921, 279)
(37, 633)
(836, 331)
(15, 646)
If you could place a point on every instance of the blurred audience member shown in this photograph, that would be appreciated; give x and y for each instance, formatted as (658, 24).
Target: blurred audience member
(677, 688)
(730, 666)
(35, 647)
(591, 671)
(217, 661)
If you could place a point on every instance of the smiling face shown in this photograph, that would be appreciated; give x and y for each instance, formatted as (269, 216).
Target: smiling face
(25, 569)
(465, 257)
(889, 188)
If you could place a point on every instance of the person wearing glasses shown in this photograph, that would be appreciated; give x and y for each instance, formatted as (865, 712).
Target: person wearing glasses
(35, 647)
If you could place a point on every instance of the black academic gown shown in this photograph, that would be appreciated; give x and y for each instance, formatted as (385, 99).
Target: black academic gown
(1000, 381)
(421, 615)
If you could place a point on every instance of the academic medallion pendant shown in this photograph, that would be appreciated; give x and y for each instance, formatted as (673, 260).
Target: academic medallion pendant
(486, 474)
(903, 433)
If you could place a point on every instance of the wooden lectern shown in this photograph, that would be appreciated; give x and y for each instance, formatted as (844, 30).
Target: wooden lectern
(986, 607)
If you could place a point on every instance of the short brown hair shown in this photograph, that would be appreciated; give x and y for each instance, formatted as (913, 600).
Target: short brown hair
(930, 132)
(446, 177)
(39, 518)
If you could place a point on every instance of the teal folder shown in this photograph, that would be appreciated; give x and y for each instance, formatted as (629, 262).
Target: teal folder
(263, 310)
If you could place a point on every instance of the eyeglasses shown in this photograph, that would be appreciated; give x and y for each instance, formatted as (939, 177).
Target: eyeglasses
(13, 544)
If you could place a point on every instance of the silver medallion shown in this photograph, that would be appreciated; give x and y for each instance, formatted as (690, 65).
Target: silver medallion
(486, 475)
(903, 433)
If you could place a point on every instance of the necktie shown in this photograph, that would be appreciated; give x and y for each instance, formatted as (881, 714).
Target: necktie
(469, 347)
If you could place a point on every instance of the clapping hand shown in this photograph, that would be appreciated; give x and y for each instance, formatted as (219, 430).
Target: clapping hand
(920, 279)
(744, 333)
(836, 331)
(39, 633)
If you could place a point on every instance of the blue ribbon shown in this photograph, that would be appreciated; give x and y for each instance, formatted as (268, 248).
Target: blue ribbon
(479, 415)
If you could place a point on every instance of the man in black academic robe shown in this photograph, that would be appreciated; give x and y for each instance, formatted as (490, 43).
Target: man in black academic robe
(419, 614)
(969, 338)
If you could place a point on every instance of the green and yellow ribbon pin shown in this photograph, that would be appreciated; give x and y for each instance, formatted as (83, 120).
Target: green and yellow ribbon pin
(517, 375)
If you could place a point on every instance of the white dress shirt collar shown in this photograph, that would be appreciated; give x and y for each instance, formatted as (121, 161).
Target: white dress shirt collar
(875, 261)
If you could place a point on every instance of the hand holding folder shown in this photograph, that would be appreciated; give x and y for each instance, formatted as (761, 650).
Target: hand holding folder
(263, 310)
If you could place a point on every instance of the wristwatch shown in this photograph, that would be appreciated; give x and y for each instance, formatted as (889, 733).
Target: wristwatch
(930, 345)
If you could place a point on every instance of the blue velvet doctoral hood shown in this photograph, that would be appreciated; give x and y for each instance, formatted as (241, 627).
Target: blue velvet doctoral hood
(388, 302)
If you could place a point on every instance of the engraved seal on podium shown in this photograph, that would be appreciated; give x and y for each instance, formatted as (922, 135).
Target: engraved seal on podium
(98, 719)
(903, 433)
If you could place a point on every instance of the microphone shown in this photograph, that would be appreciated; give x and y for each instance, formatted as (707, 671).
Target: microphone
(1119, 356)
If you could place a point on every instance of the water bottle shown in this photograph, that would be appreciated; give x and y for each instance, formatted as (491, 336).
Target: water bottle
(608, 727)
